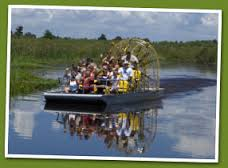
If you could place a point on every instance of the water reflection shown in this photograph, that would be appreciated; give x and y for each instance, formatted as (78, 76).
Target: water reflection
(191, 122)
(130, 132)
(23, 117)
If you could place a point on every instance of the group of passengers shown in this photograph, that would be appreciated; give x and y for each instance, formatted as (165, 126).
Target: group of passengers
(113, 75)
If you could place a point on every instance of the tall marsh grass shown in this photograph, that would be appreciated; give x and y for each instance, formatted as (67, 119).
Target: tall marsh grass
(23, 82)
(55, 51)
(28, 54)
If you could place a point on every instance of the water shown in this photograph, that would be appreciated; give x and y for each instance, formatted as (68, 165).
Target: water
(181, 125)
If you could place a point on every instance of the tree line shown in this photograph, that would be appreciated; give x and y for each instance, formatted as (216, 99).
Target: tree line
(199, 52)
(19, 32)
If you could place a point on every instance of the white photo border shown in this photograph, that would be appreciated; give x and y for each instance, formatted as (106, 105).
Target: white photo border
(34, 156)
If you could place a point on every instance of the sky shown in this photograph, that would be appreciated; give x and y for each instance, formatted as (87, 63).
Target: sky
(156, 26)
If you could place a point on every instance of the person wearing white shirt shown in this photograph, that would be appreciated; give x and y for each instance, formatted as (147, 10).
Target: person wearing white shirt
(126, 72)
(130, 58)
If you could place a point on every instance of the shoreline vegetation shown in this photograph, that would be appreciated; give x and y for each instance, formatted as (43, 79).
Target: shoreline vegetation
(29, 53)
(23, 82)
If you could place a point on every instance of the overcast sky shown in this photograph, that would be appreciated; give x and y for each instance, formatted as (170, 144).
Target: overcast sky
(157, 26)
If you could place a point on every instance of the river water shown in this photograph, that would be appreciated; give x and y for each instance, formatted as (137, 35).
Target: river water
(180, 125)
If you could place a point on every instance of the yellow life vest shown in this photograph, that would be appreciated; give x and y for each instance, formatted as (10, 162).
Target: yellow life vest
(95, 88)
(123, 86)
(136, 78)
(136, 75)
(107, 90)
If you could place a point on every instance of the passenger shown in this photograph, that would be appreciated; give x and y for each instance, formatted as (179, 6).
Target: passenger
(92, 72)
(104, 75)
(110, 72)
(74, 70)
(92, 63)
(126, 75)
(82, 66)
(102, 80)
(73, 85)
(93, 75)
(86, 81)
(112, 62)
(136, 77)
(115, 82)
(108, 58)
(130, 58)
(126, 72)
(105, 60)
(78, 77)
(117, 66)
(105, 66)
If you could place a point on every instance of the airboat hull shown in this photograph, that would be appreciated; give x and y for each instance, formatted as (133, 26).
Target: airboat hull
(106, 99)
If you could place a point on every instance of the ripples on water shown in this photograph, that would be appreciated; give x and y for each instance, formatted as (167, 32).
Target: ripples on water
(181, 125)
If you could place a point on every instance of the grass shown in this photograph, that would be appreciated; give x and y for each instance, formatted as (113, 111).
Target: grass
(194, 52)
(57, 51)
(28, 54)
(24, 82)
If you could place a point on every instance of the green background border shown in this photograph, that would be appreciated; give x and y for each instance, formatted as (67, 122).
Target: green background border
(184, 4)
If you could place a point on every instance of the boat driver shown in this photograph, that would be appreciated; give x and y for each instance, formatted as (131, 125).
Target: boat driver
(130, 58)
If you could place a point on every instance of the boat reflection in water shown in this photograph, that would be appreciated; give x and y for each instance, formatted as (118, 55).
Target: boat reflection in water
(130, 129)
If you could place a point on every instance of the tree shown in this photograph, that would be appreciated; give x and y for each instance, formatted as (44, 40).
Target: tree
(118, 38)
(146, 39)
(215, 41)
(30, 35)
(19, 31)
(102, 37)
(48, 34)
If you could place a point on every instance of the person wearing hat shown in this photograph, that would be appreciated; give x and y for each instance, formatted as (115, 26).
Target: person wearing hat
(126, 72)
(126, 75)
(130, 58)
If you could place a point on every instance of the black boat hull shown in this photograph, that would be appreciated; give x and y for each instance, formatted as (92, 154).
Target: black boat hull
(107, 99)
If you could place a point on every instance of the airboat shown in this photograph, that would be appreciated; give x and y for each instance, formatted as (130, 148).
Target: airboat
(147, 89)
